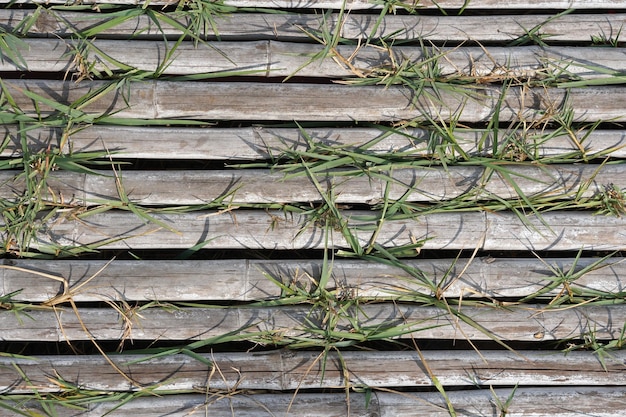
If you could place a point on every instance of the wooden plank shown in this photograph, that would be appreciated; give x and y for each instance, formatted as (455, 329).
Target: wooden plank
(251, 229)
(251, 186)
(288, 27)
(281, 59)
(308, 102)
(29, 95)
(566, 230)
(367, 4)
(321, 102)
(525, 323)
(527, 402)
(255, 143)
(495, 62)
(290, 370)
(57, 55)
(247, 280)
(237, 403)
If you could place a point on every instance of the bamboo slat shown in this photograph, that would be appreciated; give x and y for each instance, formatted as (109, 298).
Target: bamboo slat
(420, 184)
(564, 402)
(248, 280)
(308, 102)
(521, 323)
(367, 4)
(255, 143)
(281, 59)
(289, 370)
(504, 28)
(276, 230)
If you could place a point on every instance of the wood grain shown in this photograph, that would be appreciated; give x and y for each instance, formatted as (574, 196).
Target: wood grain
(256, 143)
(281, 59)
(288, 370)
(248, 280)
(526, 323)
(419, 184)
(256, 229)
(293, 26)
(564, 402)
(307, 102)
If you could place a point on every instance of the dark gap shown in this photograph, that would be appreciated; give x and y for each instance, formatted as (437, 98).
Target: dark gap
(137, 346)
(484, 12)
(308, 254)
(417, 11)
(168, 164)
(384, 126)
(62, 76)
(442, 43)
(208, 303)
(106, 9)
(439, 43)
(204, 254)
(409, 391)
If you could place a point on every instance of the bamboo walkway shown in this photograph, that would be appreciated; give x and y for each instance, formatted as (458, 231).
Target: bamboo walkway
(312, 208)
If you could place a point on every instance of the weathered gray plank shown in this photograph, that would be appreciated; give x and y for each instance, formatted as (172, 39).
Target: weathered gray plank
(290, 370)
(247, 280)
(527, 402)
(322, 102)
(261, 101)
(223, 404)
(367, 4)
(420, 184)
(190, 58)
(280, 59)
(262, 142)
(251, 229)
(530, 323)
(567, 28)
